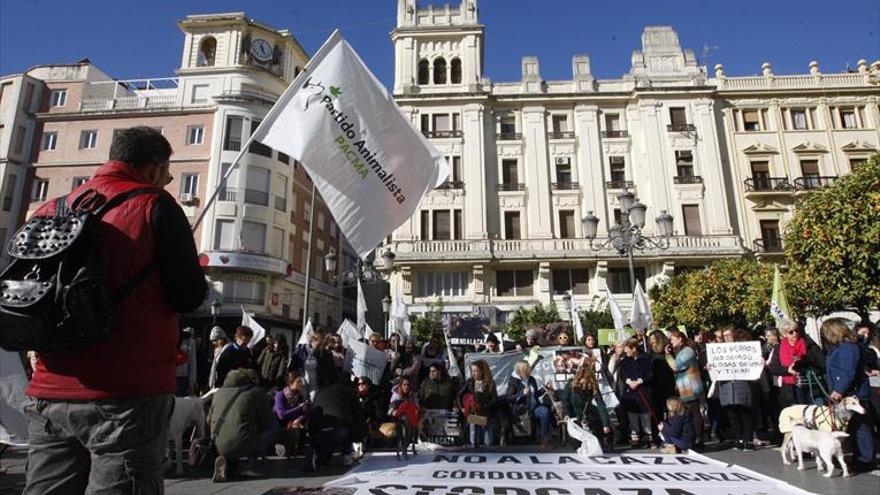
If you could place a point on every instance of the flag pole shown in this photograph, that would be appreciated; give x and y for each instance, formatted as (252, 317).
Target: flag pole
(309, 256)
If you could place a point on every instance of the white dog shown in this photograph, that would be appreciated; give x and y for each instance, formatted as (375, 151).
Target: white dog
(188, 411)
(824, 444)
(823, 418)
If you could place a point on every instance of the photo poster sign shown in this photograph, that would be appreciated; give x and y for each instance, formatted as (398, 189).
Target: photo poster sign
(552, 474)
(556, 365)
(611, 336)
(734, 360)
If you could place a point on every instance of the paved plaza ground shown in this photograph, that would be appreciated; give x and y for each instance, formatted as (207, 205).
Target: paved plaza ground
(281, 473)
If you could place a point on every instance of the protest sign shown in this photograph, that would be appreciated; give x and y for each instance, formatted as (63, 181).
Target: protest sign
(734, 360)
(554, 365)
(366, 361)
(534, 474)
(611, 336)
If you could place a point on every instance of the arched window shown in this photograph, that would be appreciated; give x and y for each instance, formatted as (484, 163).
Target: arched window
(207, 50)
(440, 71)
(455, 69)
(423, 72)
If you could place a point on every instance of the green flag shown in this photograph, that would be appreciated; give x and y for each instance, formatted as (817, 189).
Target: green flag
(778, 304)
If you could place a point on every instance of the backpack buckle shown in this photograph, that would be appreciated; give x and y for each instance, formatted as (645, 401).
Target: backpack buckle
(34, 274)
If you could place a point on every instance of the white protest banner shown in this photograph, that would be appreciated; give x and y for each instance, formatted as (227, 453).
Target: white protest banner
(361, 151)
(555, 365)
(546, 474)
(366, 361)
(734, 360)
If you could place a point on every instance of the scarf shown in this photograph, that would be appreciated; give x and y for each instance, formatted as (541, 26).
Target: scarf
(787, 356)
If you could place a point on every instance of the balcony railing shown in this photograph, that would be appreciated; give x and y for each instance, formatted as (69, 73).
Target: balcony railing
(614, 134)
(687, 179)
(565, 186)
(681, 127)
(227, 194)
(618, 184)
(452, 184)
(560, 135)
(443, 134)
(768, 245)
(256, 197)
(814, 182)
(768, 184)
(508, 136)
(512, 186)
(232, 145)
(280, 203)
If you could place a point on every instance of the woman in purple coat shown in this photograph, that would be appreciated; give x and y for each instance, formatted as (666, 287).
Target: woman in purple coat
(291, 406)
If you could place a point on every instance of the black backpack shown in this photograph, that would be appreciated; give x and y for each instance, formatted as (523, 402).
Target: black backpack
(53, 296)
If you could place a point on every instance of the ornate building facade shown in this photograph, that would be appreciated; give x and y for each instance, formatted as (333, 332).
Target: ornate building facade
(531, 158)
(255, 238)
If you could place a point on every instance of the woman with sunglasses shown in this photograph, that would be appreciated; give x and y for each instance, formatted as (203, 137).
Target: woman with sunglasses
(798, 363)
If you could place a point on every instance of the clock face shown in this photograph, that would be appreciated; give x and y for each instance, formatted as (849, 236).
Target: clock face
(261, 50)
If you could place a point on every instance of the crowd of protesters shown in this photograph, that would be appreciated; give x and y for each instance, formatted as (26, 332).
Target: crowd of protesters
(666, 399)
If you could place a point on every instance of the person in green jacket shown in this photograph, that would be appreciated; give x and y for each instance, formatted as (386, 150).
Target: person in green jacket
(249, 427)
(584, 402)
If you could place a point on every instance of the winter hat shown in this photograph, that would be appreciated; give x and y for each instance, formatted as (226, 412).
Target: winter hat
(533, 333)
(217, 333)
(189, 330)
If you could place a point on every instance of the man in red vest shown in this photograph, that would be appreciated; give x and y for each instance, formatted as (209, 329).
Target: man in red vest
(98, 418)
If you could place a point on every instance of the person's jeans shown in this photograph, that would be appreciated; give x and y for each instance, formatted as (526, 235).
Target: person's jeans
(542, 414)
(639, 419)
(483, 433)
(862, 428)
(100, 447)
(267, 440)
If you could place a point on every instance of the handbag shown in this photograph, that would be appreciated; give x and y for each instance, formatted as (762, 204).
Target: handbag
(477, 420)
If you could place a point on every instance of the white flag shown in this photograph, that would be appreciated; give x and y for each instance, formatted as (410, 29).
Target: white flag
(640, 316)
(399, 314)
(576, 321)
(371, 166)
(361, 311)
(616, 312)
(247, 320)
(348, 332)
(367, 332)
(306, 334)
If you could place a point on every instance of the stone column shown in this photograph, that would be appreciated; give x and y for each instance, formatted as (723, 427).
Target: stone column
(708, 165)
(539, 211)
(543, 286)
(472, 161)
(590, 164)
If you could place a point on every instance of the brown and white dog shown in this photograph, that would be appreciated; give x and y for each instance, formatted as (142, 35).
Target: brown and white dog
(823, 418)
(188, 412)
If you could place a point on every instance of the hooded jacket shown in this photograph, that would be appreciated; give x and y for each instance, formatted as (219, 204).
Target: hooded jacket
(138, 358)
(249, 415)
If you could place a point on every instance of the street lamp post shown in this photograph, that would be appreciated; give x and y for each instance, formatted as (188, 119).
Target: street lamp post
(215, 311)
(627, 237)
(386, 310)
(365, 272)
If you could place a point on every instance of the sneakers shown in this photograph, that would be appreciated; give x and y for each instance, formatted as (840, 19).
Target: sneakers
(219, 470)
(347, 460)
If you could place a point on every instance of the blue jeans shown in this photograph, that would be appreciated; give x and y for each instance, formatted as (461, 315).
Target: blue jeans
(542, 413)
(862, 428)
(481, 432)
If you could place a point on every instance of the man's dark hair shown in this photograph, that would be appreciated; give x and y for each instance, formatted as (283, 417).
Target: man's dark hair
(243, 331)
(140, 146)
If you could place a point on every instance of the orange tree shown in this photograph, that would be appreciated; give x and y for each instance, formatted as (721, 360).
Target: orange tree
(730, 291)
(832, 245)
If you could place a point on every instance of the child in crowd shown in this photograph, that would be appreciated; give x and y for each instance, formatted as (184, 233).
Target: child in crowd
(677, 432)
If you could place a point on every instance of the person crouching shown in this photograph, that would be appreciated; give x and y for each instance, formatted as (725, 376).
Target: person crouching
(677, 432)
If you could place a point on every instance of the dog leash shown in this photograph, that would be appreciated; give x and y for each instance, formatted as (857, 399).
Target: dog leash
(645, 402)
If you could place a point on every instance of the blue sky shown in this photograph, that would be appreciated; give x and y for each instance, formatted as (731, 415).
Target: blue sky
(140, 39)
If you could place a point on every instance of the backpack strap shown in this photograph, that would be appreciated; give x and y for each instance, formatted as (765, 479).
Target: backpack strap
(123, 197)
(226, 409)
